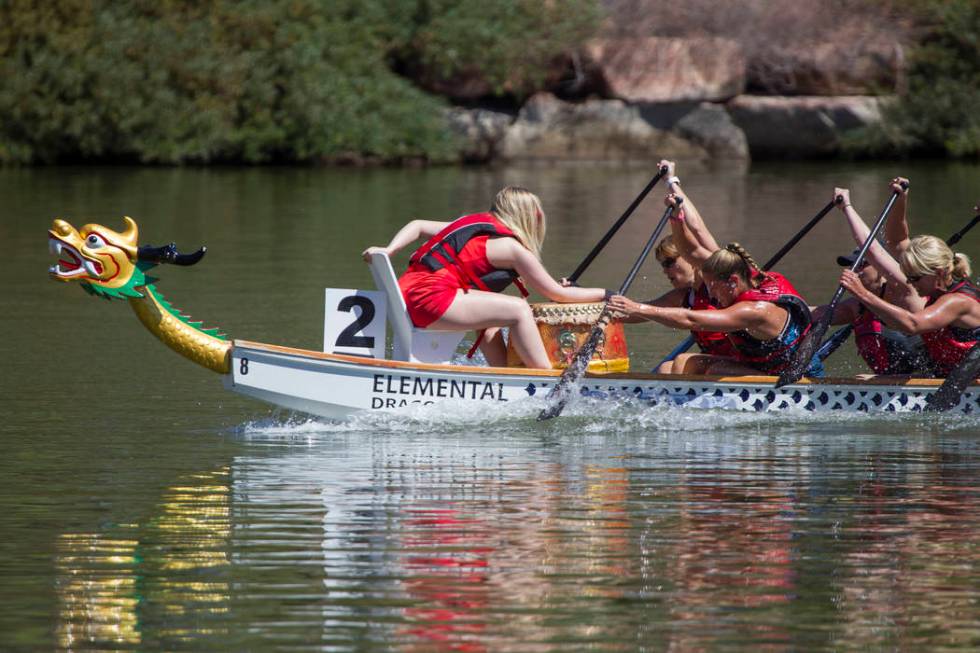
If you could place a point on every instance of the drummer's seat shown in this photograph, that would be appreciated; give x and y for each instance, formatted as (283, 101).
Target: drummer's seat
(409, 342)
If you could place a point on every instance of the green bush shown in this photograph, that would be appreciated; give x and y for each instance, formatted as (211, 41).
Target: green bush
(171, 81)
(940, 113)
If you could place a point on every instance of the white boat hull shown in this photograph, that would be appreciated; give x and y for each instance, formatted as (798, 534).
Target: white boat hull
(336, 386)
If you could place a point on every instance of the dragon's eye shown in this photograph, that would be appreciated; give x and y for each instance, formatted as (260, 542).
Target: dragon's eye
(94, 241)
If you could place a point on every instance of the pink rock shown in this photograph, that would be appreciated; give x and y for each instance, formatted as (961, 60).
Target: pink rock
(659, 69)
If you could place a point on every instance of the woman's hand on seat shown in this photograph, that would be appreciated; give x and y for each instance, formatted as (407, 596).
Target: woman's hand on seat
(366, 254)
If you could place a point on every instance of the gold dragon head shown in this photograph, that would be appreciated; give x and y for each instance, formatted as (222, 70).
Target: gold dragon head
(108, 263)
(97, 256)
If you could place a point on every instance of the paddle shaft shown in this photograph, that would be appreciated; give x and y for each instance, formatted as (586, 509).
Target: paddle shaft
(955, 238)
(804, 353)
(619, 223)
(559, 395)
(689, 341)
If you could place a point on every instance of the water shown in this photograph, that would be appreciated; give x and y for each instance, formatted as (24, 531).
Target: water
(144, 508)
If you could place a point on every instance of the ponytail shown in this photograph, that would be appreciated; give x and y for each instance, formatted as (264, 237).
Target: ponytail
(961, 266)
(733, 259)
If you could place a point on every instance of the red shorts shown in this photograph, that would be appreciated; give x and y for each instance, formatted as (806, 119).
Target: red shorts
(428, 295)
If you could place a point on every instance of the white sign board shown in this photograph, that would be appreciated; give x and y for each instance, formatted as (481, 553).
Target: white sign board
(354, 322)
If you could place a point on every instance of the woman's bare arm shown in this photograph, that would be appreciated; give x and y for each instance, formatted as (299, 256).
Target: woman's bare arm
(897, 233)
(406, 236)
(743, 315)
(945, 311)
(508, 254)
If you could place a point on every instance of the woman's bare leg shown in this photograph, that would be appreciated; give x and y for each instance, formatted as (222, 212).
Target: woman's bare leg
(494, 348)
(481, 310)
(693, 363)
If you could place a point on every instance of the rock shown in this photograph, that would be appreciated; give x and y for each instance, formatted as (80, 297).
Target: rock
(547, 128)
(856, 67)
(659, 69)
(796, 127)
(479, 132)
(711, 127)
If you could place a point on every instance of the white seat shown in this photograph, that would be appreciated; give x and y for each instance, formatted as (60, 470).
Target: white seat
(410, 343)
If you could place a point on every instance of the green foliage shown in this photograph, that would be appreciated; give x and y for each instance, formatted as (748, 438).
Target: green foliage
(509, 43)
(940, 113)
(174, 81)
(168, 81)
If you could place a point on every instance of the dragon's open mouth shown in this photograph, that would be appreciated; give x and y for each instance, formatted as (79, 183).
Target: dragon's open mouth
(70, 262)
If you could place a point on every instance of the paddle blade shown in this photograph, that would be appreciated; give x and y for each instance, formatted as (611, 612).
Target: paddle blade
(561, 393)
(949, 393)
(837, 339)
(804, 353)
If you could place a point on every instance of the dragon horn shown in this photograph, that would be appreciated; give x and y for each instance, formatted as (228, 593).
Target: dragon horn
(169, 254)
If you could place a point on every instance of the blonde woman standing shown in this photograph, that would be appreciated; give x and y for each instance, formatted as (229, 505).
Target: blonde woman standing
(454, 280)
(950, 322)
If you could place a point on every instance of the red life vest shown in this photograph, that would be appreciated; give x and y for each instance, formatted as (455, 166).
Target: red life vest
(774, 354)
(949, 345)
(710, 342)
(447, 249)
(886, 350)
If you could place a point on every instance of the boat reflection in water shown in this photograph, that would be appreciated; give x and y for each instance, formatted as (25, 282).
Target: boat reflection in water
(453, 541)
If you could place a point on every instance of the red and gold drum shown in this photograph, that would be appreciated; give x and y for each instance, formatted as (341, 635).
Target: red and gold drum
(564, 329)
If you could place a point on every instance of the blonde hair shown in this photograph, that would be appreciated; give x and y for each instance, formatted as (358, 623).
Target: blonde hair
(521, 211)
(666, 249)
(929, 255)
(733, 259)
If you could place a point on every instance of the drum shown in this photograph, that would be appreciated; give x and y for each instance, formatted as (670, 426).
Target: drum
(564, 328)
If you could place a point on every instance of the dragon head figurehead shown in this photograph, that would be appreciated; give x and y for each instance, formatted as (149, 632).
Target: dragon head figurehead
(103, 260)
(108, 263)
(112, 265)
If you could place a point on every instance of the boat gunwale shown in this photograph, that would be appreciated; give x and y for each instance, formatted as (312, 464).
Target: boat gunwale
(520, 371)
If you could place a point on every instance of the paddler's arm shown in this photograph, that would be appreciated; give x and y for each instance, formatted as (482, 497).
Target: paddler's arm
(689, 232)
(897, 234)
(508, 254)
(673, 297)
(846, 311)
(406, 236)
(743, 315)
(946, 310)
(877, 255)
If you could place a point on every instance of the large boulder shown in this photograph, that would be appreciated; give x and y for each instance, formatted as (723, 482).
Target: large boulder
(660, 69)
(857, 67)
(548, 128)
(711, 127)
(479, 132)
(799, 127)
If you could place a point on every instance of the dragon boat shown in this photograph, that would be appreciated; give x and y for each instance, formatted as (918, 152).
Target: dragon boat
(112, 265)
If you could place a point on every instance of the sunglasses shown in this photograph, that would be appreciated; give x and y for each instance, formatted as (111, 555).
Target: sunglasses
(668, 262)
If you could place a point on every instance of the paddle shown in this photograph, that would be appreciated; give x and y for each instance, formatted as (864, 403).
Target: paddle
(838, 338)
(684, 346)
(808, 347)
(559, 394)
(619, 223)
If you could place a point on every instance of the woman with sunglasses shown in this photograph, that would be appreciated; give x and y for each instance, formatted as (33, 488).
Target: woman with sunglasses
(762, 313)
(680, 256)
(950, 321)
(454, 280)
(884, 349)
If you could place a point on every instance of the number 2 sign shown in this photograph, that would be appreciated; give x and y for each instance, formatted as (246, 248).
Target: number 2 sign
(354, 322)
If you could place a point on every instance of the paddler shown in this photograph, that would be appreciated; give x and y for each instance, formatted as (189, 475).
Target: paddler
(762, 313)
(950, 321)
(884, 349)
(454, 280)
(680, 256)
